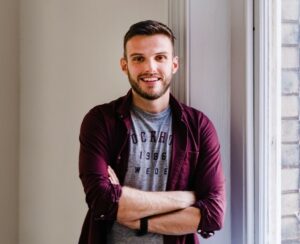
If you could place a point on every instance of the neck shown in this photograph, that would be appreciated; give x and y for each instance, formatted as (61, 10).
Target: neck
(151, 106)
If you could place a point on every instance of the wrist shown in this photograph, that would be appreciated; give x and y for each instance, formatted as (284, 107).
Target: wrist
(143, 227)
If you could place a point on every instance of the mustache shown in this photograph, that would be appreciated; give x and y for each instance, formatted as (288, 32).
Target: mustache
(150, 75)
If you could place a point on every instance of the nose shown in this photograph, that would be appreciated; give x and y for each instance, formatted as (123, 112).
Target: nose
(151, 66)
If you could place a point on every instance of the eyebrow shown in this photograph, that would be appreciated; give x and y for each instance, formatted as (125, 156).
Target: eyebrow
(136, 54)
(141, 54)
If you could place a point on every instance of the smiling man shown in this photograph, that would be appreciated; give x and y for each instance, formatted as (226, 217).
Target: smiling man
(150, 63)
(150, 166)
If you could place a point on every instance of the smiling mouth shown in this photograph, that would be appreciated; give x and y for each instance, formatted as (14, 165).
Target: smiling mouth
(150, 79)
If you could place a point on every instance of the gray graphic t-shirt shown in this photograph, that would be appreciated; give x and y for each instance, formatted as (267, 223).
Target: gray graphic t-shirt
(148, 164)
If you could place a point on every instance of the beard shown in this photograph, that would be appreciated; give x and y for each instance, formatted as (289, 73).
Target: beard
(135, 85)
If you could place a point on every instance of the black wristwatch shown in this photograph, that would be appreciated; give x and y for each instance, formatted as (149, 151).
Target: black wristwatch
(143, 227)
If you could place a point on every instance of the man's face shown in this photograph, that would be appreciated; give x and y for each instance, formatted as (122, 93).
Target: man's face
(150, 65)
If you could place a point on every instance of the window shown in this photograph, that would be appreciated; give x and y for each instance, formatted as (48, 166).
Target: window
(277, 130)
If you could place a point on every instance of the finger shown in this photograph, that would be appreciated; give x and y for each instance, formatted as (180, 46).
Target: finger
(112, 181)
(111, 172)
(113, 176)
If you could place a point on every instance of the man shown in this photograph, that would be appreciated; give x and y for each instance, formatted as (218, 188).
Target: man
(150, 166)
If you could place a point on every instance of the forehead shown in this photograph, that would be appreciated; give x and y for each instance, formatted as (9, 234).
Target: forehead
(144, 44)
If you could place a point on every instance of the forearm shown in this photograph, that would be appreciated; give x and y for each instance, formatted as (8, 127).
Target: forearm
(180, 222)
(135, 204)
(177, 223)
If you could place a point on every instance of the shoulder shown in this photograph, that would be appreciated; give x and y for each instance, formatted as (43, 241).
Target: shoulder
(195, 117)
(103, 114)
(109, 109)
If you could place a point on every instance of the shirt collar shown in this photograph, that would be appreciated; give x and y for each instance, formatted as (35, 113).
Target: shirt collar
(126, 101)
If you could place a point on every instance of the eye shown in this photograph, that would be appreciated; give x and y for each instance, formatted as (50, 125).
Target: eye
(138, 59)
(161, 58)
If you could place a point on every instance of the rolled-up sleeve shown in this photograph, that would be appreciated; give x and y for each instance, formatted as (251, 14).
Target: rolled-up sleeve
(101, 195)
(210, 181)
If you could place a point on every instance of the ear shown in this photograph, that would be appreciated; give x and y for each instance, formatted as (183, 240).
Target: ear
(175, 64)
(124, 65)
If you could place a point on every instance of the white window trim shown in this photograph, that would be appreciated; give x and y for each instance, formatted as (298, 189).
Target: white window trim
(267, 117)
(275, 138)
(256, 206)
(261, 93)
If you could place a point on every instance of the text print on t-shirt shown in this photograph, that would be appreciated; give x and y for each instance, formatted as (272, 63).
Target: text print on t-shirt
(152, 137)
(149, 150)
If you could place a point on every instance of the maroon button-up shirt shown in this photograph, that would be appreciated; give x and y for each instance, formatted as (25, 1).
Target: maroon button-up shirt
(195, 166)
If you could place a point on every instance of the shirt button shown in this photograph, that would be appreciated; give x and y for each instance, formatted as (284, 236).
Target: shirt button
(102, 216)
(119, 157)
(199, 231)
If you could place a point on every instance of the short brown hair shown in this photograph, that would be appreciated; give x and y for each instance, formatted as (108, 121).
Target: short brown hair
(148, 28)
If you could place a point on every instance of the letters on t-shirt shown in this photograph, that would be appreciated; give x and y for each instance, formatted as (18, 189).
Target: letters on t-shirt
(154, 171)
(161, 137)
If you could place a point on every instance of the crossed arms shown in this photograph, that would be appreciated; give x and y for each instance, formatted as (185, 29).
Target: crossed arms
(169, 213)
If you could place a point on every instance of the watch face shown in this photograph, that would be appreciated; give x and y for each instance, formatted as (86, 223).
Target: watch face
(205, 234)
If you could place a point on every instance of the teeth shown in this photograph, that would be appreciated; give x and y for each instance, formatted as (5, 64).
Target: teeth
(150, 79)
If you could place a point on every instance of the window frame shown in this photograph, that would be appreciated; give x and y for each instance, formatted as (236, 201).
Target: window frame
(255, 117)
(267, 125)
(256, 121)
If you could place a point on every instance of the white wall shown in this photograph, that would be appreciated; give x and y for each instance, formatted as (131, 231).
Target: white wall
(9, 120)
(70, 54)
(210, 81)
